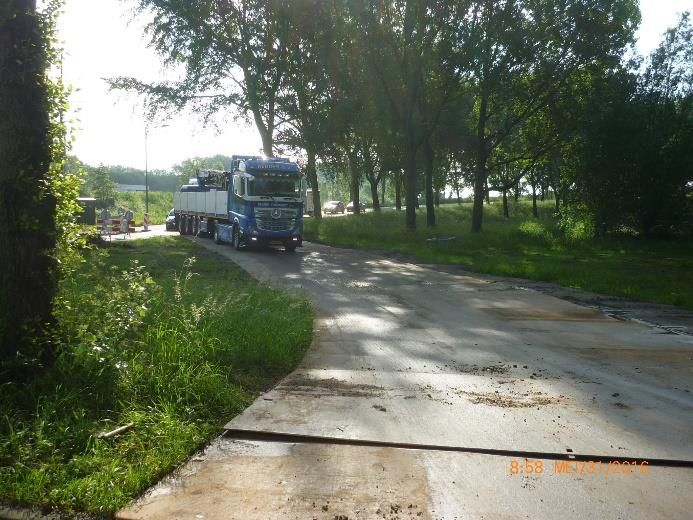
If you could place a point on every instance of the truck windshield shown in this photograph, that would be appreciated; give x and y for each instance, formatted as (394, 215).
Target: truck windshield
(274, 187)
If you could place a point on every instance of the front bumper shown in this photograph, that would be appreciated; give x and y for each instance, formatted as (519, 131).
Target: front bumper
(264, 241)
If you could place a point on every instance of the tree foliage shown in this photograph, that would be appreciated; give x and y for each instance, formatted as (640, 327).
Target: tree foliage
(480, 94)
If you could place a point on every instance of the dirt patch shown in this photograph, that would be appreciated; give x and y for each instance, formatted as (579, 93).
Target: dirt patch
(495, 369)
(303, 385)
(510, 400)
(306, 481)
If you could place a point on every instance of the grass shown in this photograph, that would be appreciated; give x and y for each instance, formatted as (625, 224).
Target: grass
(160, 203)
(522, 246)
(176, 346)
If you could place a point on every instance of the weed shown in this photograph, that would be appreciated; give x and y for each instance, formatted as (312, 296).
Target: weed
(175, 344)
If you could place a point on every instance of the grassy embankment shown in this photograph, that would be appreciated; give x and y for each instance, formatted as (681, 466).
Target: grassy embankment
(160, 203)
(522, 246)
(174, 346)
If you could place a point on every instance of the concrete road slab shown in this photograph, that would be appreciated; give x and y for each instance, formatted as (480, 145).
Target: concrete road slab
(249, 480)
(409, 354)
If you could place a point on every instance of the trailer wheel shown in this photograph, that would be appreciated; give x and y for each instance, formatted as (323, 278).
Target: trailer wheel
(181, 224)
(217, 239)
(236, 238)
(189, 226)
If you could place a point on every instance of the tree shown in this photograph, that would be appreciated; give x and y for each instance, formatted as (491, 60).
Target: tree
(233, 52)
(188, 169)
(101, 186)
(401, 41)
(632, 145)
(514, 55)
(27, 207)
(306, 100)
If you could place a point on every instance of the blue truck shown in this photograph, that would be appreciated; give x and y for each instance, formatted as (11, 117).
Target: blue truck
(258, 203)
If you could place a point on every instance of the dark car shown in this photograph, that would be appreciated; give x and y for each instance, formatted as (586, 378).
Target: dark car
(350, 207)
(333, 206)
(171, 221)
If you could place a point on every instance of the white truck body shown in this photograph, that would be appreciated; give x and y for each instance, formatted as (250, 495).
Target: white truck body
(309, 209)
(202, 202)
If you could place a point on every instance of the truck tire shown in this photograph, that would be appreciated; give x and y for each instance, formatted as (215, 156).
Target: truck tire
(187, 224)
(217, 239)
(196, 225)
(181, 224)
(236, 238)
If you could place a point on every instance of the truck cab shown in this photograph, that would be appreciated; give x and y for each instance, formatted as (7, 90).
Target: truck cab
(265, 201)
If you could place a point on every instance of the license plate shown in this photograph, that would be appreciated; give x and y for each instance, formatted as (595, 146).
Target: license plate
(276, 243)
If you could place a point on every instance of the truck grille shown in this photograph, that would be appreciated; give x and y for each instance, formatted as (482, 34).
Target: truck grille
(283, 220)
(279, 224)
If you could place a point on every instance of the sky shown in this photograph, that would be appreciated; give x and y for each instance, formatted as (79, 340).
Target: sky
(103, 39)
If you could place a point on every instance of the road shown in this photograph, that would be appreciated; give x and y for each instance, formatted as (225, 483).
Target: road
(408, 354)
(156, 230)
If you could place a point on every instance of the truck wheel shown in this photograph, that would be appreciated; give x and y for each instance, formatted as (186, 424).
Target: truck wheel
(217, 239)
(196, 225)
(181, 224)
(236, 238)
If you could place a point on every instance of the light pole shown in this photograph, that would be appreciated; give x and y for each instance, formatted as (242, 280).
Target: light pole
(146, 172)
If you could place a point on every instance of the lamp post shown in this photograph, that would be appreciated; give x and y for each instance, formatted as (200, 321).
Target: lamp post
(146, 172)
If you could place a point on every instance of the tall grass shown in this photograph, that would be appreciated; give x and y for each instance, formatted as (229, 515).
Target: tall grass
(526, 247)
(157, 333)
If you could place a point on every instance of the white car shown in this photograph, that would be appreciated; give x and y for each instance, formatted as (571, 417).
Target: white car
(171, 221)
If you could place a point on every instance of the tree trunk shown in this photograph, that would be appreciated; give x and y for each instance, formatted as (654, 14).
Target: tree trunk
(428, 172)
(410, 173)
(265, 129)
(534, 199)
(478, 207)
(459, 199)
(267, 144)
(487, 193)
(374, 193)
(480, 173)
(398, 191)
(27, 209)
(312, 175)
(355, 182)
(506, 213)
(382, 190)
(373, 179)
(558, 200)
(517, 192)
